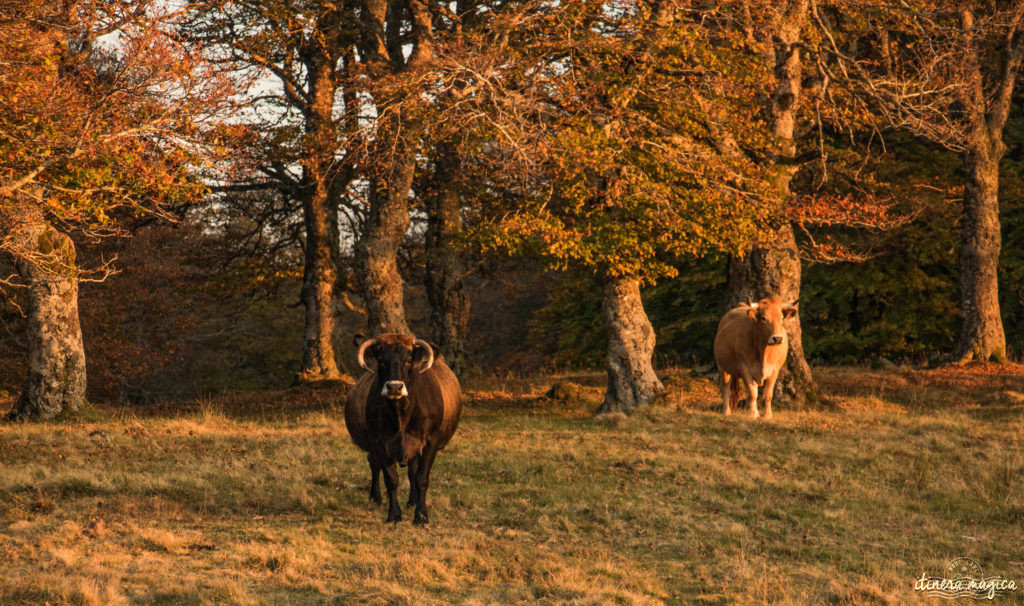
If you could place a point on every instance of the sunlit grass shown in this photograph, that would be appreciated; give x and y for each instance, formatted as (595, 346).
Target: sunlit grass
(261, 498)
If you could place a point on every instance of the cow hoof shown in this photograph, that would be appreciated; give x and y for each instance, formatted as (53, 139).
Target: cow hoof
(420, 520)
(376, 499)
(393, 519)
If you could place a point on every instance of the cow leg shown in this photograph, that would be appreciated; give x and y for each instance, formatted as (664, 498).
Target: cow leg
(769, 392)
(726, 392)
(391, 483)
(734, 389)
(752, 395)
(374, 479)
(422, 481)
(414, 465)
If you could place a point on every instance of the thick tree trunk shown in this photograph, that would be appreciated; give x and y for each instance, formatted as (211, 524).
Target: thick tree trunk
(320, 215)
(319, 287)
(446, 292)
(56, 358)
(377, 250)
(631, 379)
(981, 335)
(986, 96)
(775, 272)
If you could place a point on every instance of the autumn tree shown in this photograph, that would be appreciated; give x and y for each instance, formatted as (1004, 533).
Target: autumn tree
(388, 29)
(597, 153)
(817, 185)
(102, 115)
(445, 260)
(944, 71)
(301, 54)
(360, 61)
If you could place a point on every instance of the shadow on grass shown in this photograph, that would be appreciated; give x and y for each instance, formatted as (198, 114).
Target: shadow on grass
(987, 392)
(244, 406)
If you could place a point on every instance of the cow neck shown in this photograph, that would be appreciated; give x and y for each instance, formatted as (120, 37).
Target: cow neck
(404, 404)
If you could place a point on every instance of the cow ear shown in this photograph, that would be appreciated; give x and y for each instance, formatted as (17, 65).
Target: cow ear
(752, 313)
(790, 310)
(357, 339)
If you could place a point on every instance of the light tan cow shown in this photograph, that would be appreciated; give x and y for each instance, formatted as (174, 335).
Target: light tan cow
(750, 349)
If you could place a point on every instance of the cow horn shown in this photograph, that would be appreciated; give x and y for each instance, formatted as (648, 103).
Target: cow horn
(362, 350)
(794, 303)
(749, 304)
(430, 353)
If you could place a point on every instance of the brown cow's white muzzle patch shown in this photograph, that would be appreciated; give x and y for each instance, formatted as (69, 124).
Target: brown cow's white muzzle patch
(394, 390)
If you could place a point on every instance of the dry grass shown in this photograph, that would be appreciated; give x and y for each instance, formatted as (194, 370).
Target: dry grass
(260, 498)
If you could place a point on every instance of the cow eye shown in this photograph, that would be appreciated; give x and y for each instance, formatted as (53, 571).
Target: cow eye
(763, 318)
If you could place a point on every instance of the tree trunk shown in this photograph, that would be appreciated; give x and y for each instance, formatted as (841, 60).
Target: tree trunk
(393, 160)
(631, 379)
(981, 335)
(446, 292)
(377, 250)
(56, 358)
(775, 272)
(320, 216)
(319, 287)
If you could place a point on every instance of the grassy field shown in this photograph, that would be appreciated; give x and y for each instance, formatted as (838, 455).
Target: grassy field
(261, 498)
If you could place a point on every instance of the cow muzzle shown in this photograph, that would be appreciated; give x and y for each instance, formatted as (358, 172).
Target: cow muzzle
(394, 390)
(776, 339)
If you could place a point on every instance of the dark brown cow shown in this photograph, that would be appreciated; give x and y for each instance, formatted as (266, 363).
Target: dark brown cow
(404, 410)
(750, 349)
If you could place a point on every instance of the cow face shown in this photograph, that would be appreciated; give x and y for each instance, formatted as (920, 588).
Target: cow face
(767, 316)
(397, 358)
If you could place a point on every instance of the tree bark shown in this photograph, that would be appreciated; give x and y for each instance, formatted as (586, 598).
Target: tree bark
(446, 292)
(632, 382)
(320, 216)
(377, 249)
(56, 357)
(775, 272)
(319, 287)
(981, 334)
